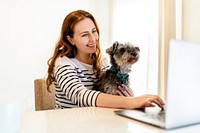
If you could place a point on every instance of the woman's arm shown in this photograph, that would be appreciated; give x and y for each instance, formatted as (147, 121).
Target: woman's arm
(113, 101)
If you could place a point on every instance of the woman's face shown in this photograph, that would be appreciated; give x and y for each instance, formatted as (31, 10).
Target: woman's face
(85, 37)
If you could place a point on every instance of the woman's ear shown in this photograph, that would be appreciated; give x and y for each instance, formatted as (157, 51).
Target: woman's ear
(70, 40)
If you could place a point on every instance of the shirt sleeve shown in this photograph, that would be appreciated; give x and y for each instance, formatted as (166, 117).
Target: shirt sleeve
(68, 83)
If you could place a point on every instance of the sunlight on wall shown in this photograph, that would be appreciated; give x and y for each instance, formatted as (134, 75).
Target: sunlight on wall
(136, 21)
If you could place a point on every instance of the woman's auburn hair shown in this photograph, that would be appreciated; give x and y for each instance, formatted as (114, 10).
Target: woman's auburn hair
(65, 48)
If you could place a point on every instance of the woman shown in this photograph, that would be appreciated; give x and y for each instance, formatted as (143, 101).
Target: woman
(76, 64)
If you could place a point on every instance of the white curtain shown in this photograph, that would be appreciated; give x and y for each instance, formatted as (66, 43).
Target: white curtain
(136, 21)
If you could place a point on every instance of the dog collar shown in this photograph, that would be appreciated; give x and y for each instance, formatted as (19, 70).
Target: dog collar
(122, 77)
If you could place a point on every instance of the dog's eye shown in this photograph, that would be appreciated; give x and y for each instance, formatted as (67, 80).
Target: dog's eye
(122, 50)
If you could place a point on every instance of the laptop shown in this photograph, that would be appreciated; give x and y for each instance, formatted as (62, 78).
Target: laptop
(182, 106)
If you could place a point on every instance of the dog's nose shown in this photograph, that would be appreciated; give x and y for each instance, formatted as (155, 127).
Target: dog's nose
(134, 54)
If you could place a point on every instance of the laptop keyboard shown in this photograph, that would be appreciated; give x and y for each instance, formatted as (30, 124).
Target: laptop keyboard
(159, 116)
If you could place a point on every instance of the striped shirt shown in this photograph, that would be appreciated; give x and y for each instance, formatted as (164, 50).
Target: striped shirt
(74, 82)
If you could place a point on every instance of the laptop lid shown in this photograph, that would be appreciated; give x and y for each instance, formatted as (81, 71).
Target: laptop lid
(183, 84)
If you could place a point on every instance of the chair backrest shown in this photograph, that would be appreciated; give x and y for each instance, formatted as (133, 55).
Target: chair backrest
(44, 100)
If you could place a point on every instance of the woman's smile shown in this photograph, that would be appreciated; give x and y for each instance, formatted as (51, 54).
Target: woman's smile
(91, 45)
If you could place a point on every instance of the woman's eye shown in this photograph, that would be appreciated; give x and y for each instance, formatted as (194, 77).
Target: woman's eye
(83, 35)
(94, 31)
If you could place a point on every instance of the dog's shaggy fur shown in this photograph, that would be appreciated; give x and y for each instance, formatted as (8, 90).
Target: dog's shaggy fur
(122, 57)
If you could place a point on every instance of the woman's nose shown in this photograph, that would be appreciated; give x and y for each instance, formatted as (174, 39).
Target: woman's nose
(92, 37)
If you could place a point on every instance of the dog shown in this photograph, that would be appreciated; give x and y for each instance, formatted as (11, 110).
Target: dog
(122, 57)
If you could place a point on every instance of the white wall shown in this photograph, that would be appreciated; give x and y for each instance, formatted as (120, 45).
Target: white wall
(28, 32)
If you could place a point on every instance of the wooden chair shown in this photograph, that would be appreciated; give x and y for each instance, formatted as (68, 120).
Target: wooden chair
(44, 100)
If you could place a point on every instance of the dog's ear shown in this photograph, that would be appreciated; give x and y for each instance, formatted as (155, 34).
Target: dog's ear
(113, 48)
(137, 48)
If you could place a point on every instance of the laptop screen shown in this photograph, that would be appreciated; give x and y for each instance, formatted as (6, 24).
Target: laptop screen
(183, 83)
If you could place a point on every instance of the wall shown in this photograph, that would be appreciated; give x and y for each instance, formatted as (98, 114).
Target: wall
(29, 30)
(191, 20)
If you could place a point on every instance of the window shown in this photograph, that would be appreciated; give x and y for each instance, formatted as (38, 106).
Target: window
(136, 21)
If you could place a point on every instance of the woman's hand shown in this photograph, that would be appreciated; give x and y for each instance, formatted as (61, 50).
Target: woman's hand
(125, 91)
(146, 101)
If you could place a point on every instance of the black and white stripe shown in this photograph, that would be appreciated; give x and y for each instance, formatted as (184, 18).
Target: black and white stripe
(73, 84)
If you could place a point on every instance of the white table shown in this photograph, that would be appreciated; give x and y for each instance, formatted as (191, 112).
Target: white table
(88, 120)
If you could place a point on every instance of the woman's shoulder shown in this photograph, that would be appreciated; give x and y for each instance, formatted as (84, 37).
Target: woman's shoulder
(63, 61)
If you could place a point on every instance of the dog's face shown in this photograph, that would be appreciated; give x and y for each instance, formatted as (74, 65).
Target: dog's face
(124, 54)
